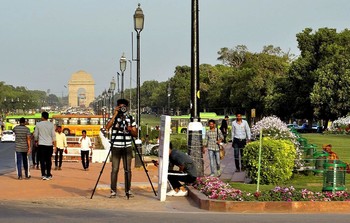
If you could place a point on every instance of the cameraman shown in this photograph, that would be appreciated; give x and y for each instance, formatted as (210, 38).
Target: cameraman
(123, 129)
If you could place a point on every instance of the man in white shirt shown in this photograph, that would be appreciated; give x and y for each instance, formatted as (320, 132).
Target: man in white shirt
(240, 137)
(85, 148)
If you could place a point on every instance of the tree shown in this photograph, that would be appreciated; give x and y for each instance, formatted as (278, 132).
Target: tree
(332, 87)
(181, 86)
(233, 57)
(319, 78)
(256, 82)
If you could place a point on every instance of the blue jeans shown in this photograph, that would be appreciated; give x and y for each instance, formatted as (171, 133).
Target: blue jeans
(21, 157)
(214, 158)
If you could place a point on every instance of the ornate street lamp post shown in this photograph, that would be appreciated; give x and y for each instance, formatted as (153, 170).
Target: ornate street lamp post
(112, 88)
(138, 26)
(130, 84)
(122, 63)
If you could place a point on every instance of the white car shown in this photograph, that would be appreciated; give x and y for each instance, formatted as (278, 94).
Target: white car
(8, 136)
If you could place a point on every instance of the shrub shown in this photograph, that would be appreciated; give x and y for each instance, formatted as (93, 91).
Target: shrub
(273, 127)
(180, 144)
(277, 160)
(340, 126)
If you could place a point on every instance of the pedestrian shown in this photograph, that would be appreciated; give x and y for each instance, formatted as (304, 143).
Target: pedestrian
(45, 139)
(123, 129)
(213, 140)
(240, 137)
(224, 128)
(85, 149)
(186, 173)
(22, 148)
(35, 157)
(61, 145)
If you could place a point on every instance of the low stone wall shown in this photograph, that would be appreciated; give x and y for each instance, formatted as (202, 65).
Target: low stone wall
(268, 207)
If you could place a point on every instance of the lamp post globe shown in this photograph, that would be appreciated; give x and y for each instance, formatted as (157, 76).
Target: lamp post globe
(139, 19)
(112, 88)
(122, 63)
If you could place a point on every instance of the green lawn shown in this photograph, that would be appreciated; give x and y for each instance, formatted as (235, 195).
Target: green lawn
(150, 120)
(340, 143)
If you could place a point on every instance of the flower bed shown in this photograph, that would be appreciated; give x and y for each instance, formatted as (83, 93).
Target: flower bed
(216, 189)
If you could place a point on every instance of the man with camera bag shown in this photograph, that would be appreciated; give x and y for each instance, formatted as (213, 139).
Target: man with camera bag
(123, 129)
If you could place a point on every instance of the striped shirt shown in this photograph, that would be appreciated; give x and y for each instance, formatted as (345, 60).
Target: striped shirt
(22, 132)
(122, 138)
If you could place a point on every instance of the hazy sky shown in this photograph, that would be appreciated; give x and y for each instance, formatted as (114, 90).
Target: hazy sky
(43, 42)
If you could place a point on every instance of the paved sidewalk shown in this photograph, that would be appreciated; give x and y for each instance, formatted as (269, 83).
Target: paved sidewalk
(227, 165)
(72, 186)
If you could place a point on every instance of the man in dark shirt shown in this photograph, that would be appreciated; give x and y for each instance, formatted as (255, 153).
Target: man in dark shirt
(187, 172)
(224, 127)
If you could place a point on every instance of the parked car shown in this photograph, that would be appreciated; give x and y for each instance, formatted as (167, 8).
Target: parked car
(295, 126)
(305, 128)
(8, 136)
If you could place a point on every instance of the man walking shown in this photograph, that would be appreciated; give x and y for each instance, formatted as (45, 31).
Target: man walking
(22, 148)
(240, 137)
(61, 145)
(45, 138)
(213, 139)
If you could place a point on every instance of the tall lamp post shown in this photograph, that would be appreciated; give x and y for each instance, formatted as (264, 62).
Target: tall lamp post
(169, 94)
(139, 19)
(195, 127)
(112, 88)
(122, 63)
(104, 108)
(130, 83)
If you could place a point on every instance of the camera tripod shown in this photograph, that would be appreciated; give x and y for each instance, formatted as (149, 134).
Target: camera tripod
(125, 163)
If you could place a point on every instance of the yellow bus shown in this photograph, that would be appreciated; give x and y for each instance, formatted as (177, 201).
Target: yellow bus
(75, 124)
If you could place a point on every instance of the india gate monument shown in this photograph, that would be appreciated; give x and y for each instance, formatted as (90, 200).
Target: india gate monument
(81, 89)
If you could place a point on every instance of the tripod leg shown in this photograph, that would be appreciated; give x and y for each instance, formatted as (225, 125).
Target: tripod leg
(144, 167)
(98, 179)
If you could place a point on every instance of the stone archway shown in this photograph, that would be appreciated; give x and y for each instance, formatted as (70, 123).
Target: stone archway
(81, 89)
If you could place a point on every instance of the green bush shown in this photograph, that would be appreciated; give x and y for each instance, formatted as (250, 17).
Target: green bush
(180, 144)
(277, 160)
(153, 134)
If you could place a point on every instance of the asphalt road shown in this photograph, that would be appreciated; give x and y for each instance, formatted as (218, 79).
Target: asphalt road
(7, 157)
(31, 212)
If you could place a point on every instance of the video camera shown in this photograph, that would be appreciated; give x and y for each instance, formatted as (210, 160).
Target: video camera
(123, 109)
(123, 120)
